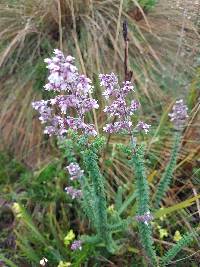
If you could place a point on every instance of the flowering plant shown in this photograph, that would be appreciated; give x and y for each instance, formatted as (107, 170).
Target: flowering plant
(65, 117)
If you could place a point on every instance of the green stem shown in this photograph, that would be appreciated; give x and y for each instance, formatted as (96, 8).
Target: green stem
(142, 199)
(183, 242)
(167, 176)
(90, 161)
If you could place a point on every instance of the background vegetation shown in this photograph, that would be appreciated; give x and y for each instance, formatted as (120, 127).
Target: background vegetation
(165, 59)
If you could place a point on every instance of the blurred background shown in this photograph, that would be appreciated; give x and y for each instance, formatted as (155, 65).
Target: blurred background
(164, 55)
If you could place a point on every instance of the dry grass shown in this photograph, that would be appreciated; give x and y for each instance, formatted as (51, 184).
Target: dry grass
(91, 31)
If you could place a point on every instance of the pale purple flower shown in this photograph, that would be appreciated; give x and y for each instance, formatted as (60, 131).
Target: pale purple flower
(179, 114)
(145, 218)
(89, 129)
(44, 110)
(133, 107)
(74, 95)
(127, 87)
(84, 84)
(109, 81)
(117, 126)
(74, 171)
(141, 126)
(74, 193)
(74, 123)
(62, 72)
(77, 123)
(57, 127)
(118, 107)
(77, 244)
(58, 53)
(88, 104)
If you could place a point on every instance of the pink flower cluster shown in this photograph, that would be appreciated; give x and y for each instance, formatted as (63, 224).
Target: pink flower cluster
(145, 218)
(74, 95)
(74, 193)
(74, 171)
(179, 114)
(119, 108)
(142, 126)
(77, 244)
(109, 81)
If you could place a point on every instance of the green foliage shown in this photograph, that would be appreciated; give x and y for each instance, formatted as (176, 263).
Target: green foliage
(51, 213)
(46, 184)
(9, 262)
(118, 198)
(176, 207)
(127, 202)
(171, 253)
(35, 240)
(10, 169)
(145, 4)
(167, 176)
(142, 198)
(42, 233)
(142, 187)
(122, 225)
(40, 74)
(145, 233)
(100, 209)
(66, 146)
(88, 202)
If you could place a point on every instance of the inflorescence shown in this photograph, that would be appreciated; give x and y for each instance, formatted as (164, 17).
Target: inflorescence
(77, 244)
(74, 97)
(75, 173)
(145, 218)
(179, 114)
(74, 94)
(119, 108)
(74, 193)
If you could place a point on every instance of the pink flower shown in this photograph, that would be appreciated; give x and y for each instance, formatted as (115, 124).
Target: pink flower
(74, 171)
(77, 244)
(179, 114)
(74, 193)
(145, 218)
(141, 126)
(74, 94)
(118, 107)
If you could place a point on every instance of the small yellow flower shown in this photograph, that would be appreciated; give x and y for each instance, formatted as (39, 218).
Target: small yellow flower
(69, 237)
(17, 210)
(111, 208)
(177, 236)
(158, 226)
(163, 233)
(64, 264)
(162, 217)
